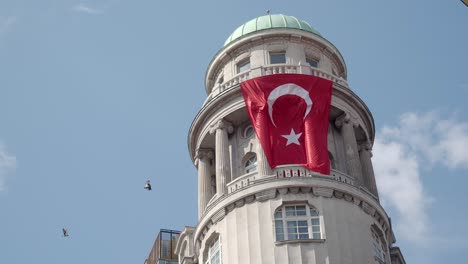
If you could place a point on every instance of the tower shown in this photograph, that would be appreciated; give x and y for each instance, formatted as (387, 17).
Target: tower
(249, 212)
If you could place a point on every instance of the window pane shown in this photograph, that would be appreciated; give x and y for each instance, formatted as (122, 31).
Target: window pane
(315, 222)
(300, 210)
(302, 223)
(316, 229)
(292, 236)
(243, 66)
(303, 230)
(278, 214)
(291, 224)
(290, 211)
(301, 207)
(304, 236)
(279, 237)
(316, 236)
(312, 62)
(277, 58)
(313, 212)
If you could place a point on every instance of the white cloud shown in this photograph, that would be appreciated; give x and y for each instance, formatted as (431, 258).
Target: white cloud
(7, 167)
(400, 186)
(399, 151)
(6, 24)
(83, 8)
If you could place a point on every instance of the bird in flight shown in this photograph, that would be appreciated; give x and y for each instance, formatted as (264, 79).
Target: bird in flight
(65, 232)
(148, 185)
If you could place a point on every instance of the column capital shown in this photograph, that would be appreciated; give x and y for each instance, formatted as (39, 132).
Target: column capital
(345, 119)
(222, 124)
(366, 146)
(201, 153)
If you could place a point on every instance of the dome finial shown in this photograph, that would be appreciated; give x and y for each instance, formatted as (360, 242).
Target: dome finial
(268, 11)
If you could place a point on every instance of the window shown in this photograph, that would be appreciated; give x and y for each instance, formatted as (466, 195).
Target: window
(251, 163)
(378, 245)
(214, 252)
(295, 222)
(277, 57)
(312, 62)
(248, 131)
(243, 65)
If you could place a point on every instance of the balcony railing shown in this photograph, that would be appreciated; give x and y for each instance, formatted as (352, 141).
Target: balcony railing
(286, 172)
(273, 69)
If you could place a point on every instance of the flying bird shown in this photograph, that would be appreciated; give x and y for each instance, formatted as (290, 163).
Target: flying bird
(148, 185)
(65, 232)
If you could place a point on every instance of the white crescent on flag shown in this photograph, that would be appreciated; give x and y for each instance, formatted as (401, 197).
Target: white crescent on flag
(291, 89)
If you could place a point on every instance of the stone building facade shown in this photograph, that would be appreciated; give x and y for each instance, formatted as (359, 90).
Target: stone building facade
(251, 213)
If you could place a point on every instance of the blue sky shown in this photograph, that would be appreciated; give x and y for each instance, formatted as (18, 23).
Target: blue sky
(97, 96)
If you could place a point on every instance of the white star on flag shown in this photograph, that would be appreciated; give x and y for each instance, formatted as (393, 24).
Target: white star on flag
(292, 138)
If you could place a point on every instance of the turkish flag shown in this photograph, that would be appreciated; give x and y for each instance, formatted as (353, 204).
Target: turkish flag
(290, 115)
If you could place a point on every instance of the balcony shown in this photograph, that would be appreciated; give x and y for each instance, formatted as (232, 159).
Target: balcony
(273, 69)
(284, 172)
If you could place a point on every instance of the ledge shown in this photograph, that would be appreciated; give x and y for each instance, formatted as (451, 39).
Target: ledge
(295, 241)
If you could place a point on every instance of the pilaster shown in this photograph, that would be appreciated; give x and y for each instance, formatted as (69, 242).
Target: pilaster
(202, 160)
(221, 129)
(365, 155)
(353, 164)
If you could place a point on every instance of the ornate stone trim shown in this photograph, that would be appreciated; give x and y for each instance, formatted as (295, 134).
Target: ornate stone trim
(264, 195)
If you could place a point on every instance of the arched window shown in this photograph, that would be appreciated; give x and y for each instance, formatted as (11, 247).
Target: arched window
(250, 164)
(214, 252)
(378, 244)
(294, 222)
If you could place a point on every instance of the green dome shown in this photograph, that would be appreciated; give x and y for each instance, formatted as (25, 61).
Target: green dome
(269, 22)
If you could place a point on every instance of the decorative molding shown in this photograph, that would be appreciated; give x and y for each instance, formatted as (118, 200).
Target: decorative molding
(265, 195)
(346, 118)
(348, 197)
(324, 192)
(368, 209)
(222, 124)
(218, 216)
(294, 190)
(201, 153)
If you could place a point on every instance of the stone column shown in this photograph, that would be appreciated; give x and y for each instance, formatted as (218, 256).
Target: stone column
(221, 129)
(365, 155)
(262, 163)
(353, 163)
(202, 161)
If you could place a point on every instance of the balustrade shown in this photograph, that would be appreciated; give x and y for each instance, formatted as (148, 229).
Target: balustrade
(273, 69)
(285, 172)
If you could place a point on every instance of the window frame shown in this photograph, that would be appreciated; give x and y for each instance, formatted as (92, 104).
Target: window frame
(378, 246)
(241, 64)
(310, 59)
(253, 167)
(213, 250)
(298, 222)
(276, 53)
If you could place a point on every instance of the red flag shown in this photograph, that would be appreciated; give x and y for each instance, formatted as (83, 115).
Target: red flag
(290, 115)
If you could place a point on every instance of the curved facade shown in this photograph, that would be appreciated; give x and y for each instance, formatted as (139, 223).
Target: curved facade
(251, 213)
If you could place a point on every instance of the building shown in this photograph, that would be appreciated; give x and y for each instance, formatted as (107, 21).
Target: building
(163, 248)
(251, 213)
